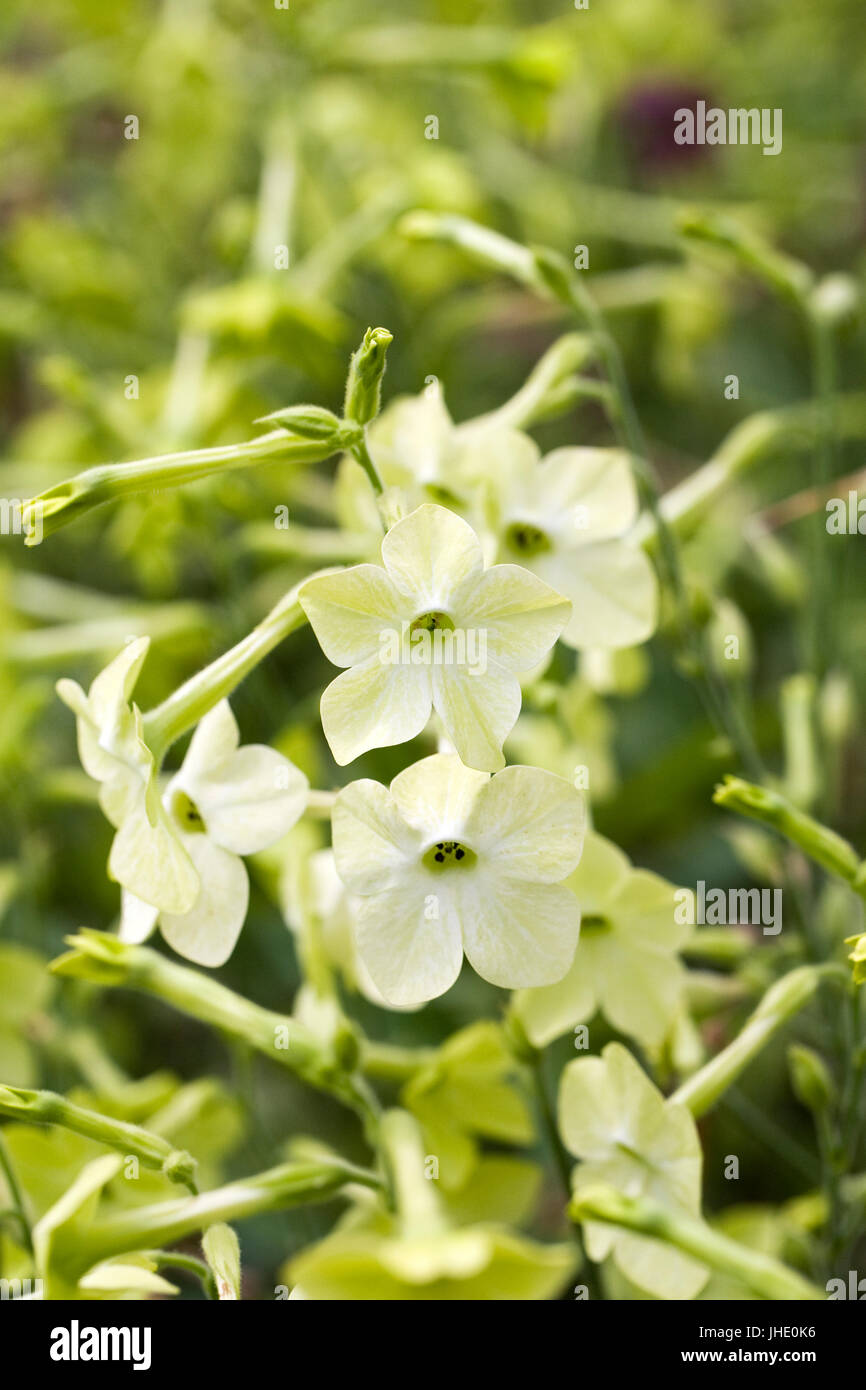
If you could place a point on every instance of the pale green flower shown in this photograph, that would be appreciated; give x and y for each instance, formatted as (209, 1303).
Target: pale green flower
(147, 856)
(224, 802)
(450, 859)
(483, 1262)
(467, 1092)
(626, 965)
(429, 629)
(629, 1137)
(565, 517)
(416, 446)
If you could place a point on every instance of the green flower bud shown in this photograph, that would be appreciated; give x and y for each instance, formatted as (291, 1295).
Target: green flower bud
(812, 1083)
(308, 421)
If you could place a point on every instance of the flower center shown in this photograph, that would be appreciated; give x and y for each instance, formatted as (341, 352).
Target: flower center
(187, 814)
(594, 924)
(430, 622)
(448, 854)
(527, 539)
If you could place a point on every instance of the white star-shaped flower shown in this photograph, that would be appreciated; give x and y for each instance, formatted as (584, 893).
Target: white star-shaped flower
(224, 802)
(146, 853)
(566, 518)
(451, 860)
(429, 629)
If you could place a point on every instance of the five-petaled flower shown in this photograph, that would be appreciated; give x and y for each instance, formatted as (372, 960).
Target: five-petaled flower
(432, 577)
(565, 517)
(629, 1137)
(147, 855)
(450, 859)
(626, 964)
(224, 802)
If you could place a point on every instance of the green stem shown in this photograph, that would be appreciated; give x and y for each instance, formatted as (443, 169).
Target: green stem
(173, 1259)
(192, 700)
(112, 962)
(766, 1277)
(289, 1185)
(44, 1107)
(821, 843)
(414, 1194)
(782, 1000)
(73, 498)
(16, 1196)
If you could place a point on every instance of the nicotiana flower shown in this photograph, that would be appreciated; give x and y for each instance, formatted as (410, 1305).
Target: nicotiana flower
(565, 517)
(629, 1137)
(429, 629)
(481, 1262)
(415, 445)
(450, 859)
(147, 856)
(323, 894)
(224, 802)
(468, 1091)
(626, 964)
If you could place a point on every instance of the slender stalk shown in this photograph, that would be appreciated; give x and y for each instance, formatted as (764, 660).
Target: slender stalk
(16, 1196)
(782, 1000)
(283, 1039)
(192, 700)
(766, 1277)
(289, 1185)
(44, 1107)
(414, 1195)
(821, 843)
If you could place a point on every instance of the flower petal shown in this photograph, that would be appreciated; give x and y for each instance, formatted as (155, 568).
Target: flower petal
(215, 738)
(613, 590)
(249, 800)
(638, 990)
(374, 848)
(645, 907)
(434, 557)
(137, 918)
(150, 860)
(375, 705)
(600, 876)
(548, 1013)
(478, 712)
(208, 932)
(409, 940)
(436, 795)
(530, 822)
(588, 494)
(520, 616)
(349, 610)
(516, 934)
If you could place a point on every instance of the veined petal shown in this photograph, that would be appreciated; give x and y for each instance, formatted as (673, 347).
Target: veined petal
(519, 615)
(645, 908)
(516, 934)
(659, 1268)
(215, 738)
(114, 685)
(588, 494)
(150, 860)
(478, 712)
(349, 610)
(434, 557)
(613, 590)
(374, 705)
(603, 871)
(409, 940)
(638, 990)
(374, 848)
(248, 801)
(137, 918)
(436, 795)
(549, 1012)
(207, 933)
(531, 823)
